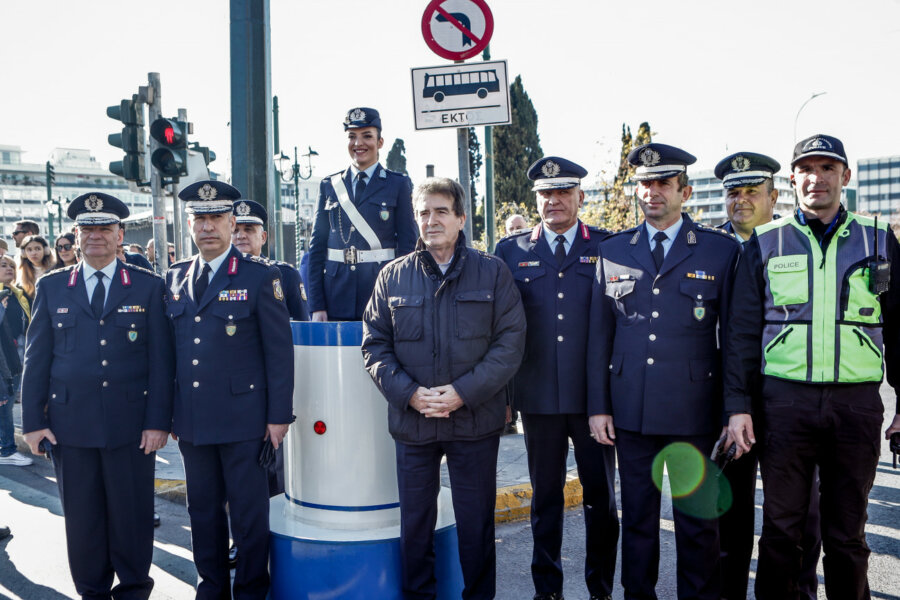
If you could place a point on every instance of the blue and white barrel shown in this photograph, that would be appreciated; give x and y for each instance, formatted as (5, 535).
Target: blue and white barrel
(335, 533)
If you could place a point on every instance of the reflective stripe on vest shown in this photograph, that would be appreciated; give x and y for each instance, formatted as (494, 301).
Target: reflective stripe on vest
(822, 324)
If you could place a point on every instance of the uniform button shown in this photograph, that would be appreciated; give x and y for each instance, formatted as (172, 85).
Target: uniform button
(559, 316)
(104, 362)
(561, 275)
(560, 295)
(102, 342)
(654, 314)
(132, 325)
(102, 322)
(559, 338)
(197, 319)
(195, 362)
(656, 291)
(105, 384)
(196, 340)
(196, 384)
(699, 296)
(652, 337)
(527, 279)
(252, 386)
(145, 392)
(650, 361)
(352, 267)
(610, 367)
(230, 318)
(59, 324)
(53, 396)
(488, 296)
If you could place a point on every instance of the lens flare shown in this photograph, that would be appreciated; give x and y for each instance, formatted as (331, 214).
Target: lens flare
(697, 485)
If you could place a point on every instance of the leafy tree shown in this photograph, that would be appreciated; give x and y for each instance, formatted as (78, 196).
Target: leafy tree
(516, 147)
(475, 162)
(619, 208)
(396, 158)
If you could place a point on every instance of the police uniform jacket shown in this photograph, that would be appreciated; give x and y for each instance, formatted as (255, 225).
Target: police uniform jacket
(465, 328)
(654, 362)
(552, 377)
(234, 351)
(98, 383)
(386, 205)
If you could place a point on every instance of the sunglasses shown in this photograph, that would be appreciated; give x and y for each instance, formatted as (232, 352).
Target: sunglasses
(18, 231)
(64, 247)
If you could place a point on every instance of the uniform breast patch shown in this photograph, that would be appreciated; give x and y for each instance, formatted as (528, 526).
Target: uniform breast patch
(134, 308)
(587, 260)
(530, 263)
(276, 287)
(700, 275)
(232, 295)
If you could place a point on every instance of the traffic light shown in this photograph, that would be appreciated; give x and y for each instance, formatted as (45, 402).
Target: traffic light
(131, 139)
(208, 155)
(170, 159)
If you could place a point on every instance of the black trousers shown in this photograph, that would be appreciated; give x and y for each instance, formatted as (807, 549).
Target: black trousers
(737, 528)
(837, 428)
(696, 538)
(547, 442)
(473, 486)
(107, 500)
(216, 474)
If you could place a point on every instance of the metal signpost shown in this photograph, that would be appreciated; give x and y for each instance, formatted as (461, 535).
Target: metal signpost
(459, 96)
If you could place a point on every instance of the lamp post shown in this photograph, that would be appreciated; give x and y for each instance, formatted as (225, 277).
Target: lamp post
(802, 106)
(296, 175)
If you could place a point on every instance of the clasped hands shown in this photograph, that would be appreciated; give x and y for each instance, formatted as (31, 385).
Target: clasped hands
(438, 401)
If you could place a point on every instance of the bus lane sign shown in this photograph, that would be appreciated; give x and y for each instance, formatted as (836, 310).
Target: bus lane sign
(461, 95)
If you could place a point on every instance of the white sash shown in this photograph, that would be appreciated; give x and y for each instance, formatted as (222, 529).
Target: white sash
(356, 219)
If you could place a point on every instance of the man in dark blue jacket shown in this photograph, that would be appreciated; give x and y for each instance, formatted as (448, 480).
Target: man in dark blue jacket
(654, 372)
(98, 387)
(443, 333)
(227, 309)
(364, 219)
(554, 266)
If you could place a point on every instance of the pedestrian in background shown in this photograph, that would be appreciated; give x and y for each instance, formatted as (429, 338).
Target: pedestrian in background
(35, 260)
(66, 250)
(13, 321)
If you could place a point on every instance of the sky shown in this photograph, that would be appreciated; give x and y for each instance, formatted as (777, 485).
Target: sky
(712, 77)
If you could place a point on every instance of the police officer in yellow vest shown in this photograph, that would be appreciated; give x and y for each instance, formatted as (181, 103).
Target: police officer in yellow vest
(814, 321)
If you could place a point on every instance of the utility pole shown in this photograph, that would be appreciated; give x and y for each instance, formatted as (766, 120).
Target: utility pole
(276, 246)
(488, 176)
(51, 177)
(152, 96)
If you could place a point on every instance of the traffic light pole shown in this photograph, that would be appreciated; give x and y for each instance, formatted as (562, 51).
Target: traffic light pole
(160, 242)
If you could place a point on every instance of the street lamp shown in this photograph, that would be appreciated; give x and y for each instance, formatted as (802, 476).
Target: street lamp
(802, 106)
(296, 176)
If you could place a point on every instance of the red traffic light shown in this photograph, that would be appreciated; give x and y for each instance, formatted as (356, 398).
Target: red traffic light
(169, 132)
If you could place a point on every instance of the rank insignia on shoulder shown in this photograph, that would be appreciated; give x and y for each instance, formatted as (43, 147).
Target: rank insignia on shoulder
(232, 295)
(62, 311)
(530, 263)
(131, 309)
(587, 260)
(276, 287)
(701, 275)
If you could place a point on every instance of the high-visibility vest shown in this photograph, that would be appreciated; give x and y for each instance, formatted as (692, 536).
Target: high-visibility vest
(822, 324)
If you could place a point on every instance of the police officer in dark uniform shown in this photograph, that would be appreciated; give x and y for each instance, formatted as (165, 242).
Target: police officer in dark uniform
(98, 387)
(249, 236)
(554, 266)
(227, 308)
(750, 197)
(654, 369)
(364, 219)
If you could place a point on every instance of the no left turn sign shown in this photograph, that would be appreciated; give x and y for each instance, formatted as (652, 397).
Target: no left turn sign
(457, 29)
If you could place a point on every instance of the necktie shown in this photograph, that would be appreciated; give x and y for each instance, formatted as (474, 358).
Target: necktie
(202, 282)
(658, 252)
(360, 187)
(560, 252)
(99, 295)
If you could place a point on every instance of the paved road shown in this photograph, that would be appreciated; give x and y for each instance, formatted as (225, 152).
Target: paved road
(33, 561)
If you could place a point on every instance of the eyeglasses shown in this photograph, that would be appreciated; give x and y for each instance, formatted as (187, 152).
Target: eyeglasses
(18, 232)
(63, 247)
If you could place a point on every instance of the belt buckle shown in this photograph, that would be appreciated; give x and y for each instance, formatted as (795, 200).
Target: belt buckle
(351, 255)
